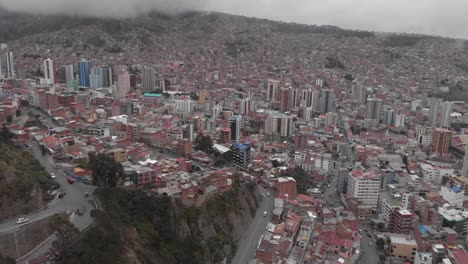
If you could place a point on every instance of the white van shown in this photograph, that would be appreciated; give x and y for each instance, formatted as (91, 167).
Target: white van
(265, 213)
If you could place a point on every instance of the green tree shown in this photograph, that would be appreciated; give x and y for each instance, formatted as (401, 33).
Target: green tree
(303, 180)
(106, 171)
(6, 260)
(204, 143)
(194, 96)
(380, 226)
(9, 119)
(6, 135)
(275, 163)
(380, 243)
(24, 103)
(65, 232)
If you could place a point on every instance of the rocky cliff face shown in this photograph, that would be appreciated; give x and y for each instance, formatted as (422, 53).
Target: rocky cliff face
(136, 228)
(24, 185)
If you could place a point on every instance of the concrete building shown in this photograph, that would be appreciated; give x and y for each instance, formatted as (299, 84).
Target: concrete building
(373, 109)
(50, 72)
(235, 124)
(184, 106)
(402, 247)
(454, 219)
(364, 186)
(327, 101)
(69, 73)
(188, 132)
(401, 221)
(272, 90)
(464, 171)
(288, 186)
(84, 72)
(310, 98)
(441, 140)
(241, 154)
(454, 195)
(148, 80)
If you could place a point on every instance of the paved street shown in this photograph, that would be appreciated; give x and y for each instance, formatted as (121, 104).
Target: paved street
(369, 254)
(248, 244)
(73, 200)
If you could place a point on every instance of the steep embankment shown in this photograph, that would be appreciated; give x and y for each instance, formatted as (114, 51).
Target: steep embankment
(23, 182)
(134, 227)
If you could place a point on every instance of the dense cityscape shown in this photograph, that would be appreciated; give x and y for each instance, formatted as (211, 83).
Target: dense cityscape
(352, 145)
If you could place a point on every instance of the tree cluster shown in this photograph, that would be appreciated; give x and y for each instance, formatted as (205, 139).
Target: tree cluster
(204, 143)
(303, 179)
(106, 171)
(6, 135)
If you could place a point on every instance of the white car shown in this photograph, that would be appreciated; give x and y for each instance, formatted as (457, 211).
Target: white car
(265, 213)
(52, 176)
(22, 220)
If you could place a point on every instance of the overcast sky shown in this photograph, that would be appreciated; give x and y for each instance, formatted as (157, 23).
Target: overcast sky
(440, 17)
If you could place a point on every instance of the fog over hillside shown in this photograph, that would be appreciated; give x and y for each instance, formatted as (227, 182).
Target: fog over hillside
(437, 17)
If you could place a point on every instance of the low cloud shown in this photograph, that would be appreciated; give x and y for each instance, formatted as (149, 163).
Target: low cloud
(446, 18)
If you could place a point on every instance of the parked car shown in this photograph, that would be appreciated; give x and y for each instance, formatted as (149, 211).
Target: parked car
(70, 180)
(268, 194)
(61, 195)
(265, 213)
(52, 176)
(22, 220)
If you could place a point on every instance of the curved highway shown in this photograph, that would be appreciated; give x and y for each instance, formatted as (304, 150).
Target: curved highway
(74, 199)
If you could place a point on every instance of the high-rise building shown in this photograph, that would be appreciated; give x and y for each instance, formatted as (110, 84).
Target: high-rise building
(464, 171)
(225, 135)
(69, 73)
(241, 154)
(148, 77)
(84, 72)
(435, 111)
(272, 90)
(187, 131)
(123, 85)
(279, 123)
(215, 111)
(327, 101)
(310, 98)
(441, 140)
(389, 117)
(107, 77)
(308, 114)
(235, 123)
(9, 64)
(201, 96)
(246, 106)
(373, 108)
(96, 78)
(359, 93)
(294, 97)
(400, 120)
(331, 119)
(364, 186)
(286, 125)
(1, 66)
(50, 72)
(445, 115)
(184, 106)
(284, 99)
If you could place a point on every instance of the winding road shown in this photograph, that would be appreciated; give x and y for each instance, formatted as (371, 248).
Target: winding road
(74, 199)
